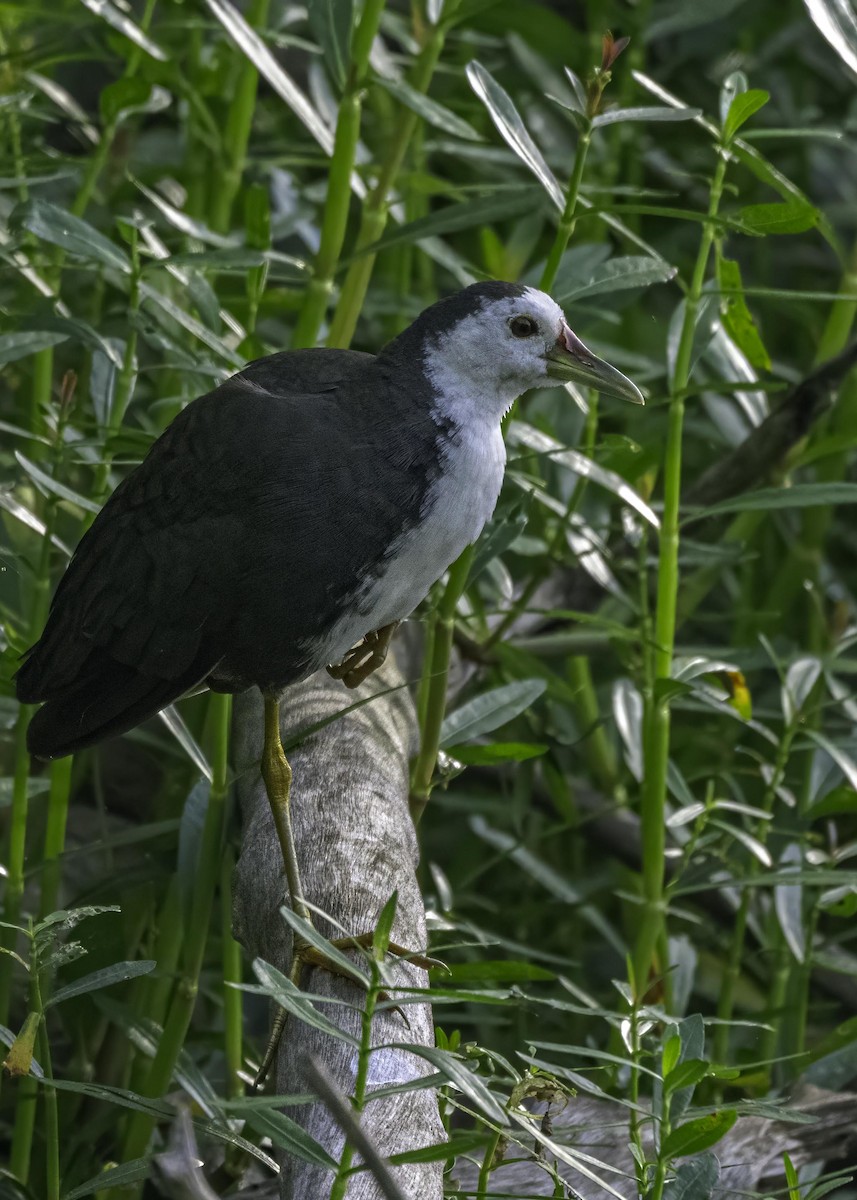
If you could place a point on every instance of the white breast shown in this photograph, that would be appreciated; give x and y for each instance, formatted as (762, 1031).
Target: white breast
(456, 509)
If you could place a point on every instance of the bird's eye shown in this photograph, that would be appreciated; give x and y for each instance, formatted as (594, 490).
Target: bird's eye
(523, 327)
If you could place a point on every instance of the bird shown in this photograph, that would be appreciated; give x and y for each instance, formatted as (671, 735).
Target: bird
(310, 500)
(288, 520)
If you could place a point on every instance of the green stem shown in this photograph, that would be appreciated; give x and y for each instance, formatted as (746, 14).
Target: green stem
(487, 1165)
(657, 725)
(569, 213)
(374, 217)
(340, 1183)
(236, 136)
(58, 801)
(184, 999)
(338, 198)
(232, 974)
(437, 667)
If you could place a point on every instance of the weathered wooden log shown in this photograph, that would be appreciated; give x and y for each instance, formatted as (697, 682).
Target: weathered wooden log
(356, 845)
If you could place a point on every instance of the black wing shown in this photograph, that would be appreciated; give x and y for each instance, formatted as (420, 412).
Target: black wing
(160, 586)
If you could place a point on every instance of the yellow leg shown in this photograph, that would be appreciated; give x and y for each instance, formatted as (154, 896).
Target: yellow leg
(277, 775)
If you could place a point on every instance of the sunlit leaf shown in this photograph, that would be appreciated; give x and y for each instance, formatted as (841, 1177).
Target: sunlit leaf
(742, 109)
(698, 1134)
(249, 43)
(837, 22)
(763, 219)
(512, 129)
(106, 977)
(490, 710)
(788, 903)
(458, 1073)
(431, 112)
(26, 342)
(74, 235)
(123, 23)
(644, 113)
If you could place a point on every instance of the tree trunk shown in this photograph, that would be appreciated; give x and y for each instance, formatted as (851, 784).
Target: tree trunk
(356, 845)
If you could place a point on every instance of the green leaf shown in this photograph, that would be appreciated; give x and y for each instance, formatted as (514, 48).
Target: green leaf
(190, 839)
(310, 934)
(52, 486)
(670, 1053)
(123, 24)
(788, 903)
(331, 22)
(741, 109)
(497, 752)
(496, 971)
(105, 977)
(490, 710)
(249, 43)
(836, 23)
(121, 1176)
(283, 991)
(384, 926)
(59, 227)
(737, 318)
(623, 273)
(26, 342)
(842, 799)
(799, 495)
(646, 112)
(461, 1076)
(287, 1135)
(698, 1134)
(520, 433)
(129, 95)
(504, 114)
(686, 1074)
(454, 1147)
(694, 1180)
(431, 112)
(764, 219)
(453, 218)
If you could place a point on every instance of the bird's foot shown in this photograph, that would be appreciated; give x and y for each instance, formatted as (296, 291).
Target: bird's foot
(307, 956)
(366, 658)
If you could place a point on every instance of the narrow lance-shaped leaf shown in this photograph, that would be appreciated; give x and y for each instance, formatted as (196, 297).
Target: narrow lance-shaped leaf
(74, 235)
(249, 42)
(123, 23)
(331, 22)
(504, 114)
(645, 112)
(431, 112)
(523, 434)
(837, 23)
(489, 711)
(105, 977)
(26, 342)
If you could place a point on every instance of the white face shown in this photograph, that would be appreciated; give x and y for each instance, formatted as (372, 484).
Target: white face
(497, 353)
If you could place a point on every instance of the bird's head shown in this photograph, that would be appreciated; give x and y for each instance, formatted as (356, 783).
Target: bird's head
(504, 338)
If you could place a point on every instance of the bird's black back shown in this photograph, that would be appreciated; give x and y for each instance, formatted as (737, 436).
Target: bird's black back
(235, 544)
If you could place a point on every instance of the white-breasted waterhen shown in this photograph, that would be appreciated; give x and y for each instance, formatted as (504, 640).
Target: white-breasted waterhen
(289, 519)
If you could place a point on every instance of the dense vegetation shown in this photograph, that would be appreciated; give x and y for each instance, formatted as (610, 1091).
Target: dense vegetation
(650, 778)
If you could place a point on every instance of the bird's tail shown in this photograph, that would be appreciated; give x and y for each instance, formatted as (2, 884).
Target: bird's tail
(103, 703)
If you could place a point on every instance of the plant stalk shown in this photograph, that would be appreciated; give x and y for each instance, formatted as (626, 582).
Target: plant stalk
(657, 724)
